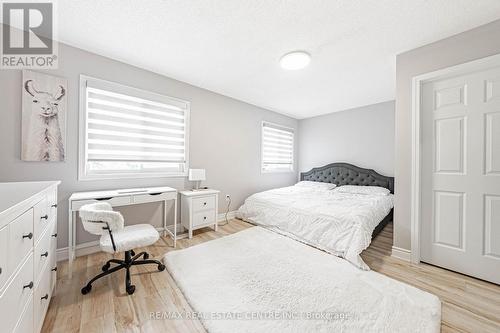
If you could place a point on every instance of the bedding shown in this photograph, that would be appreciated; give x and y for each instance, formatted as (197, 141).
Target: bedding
(259, 281)
(357, 189)
(338, 223)
(317, 185)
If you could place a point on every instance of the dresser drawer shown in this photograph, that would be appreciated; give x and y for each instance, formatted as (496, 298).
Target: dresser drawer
(52, 200)
(203, 203)
(41, 218)
(52, 254)
(114, 201)
(205, 217)
(26, 323)
(4, 245)
(43, 251)
(42, 295)
(16, 296)
(20, 239)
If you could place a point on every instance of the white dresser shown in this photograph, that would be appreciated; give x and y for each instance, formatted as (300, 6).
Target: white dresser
(28, 240)
(199, 209)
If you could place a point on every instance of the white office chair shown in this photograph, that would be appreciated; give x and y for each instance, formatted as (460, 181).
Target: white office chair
(100, 219)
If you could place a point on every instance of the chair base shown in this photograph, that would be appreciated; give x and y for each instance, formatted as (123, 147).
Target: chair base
(131, 259)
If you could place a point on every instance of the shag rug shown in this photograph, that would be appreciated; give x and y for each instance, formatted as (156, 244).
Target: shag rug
(260, 281)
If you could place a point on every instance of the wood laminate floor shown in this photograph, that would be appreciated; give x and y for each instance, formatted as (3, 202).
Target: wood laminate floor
(468, 304)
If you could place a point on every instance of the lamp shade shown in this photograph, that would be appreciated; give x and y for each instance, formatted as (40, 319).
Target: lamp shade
(196, 174)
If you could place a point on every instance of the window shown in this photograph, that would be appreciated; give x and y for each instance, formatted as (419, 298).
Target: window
(277, 148)
(130, 133)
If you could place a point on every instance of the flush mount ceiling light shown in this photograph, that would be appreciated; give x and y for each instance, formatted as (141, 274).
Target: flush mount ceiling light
(295, 60)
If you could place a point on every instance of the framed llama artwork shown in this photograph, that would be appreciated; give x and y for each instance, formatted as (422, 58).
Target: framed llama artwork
(43, 117)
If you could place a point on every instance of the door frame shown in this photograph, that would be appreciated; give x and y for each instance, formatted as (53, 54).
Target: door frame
(416, 149)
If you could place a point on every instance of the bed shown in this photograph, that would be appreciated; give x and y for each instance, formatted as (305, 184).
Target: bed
(339, 223)
(258, 280)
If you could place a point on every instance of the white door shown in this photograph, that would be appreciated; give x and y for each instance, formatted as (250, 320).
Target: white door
(460, 173)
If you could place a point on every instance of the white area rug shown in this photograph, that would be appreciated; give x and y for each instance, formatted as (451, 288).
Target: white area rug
(259, 281)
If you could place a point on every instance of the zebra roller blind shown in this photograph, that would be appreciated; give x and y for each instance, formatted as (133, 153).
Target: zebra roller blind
(277, 148)
(131, 131)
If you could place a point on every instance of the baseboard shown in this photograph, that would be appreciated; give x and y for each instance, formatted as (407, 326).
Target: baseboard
(93, 247)
(81, 250)
(400, 253)
(230, 215)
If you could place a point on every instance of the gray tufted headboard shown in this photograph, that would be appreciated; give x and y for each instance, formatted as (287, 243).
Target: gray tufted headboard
(348, 174)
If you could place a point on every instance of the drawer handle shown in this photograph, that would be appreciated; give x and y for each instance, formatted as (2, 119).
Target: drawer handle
(45, 217)
(45, 297)
(46, 254)
(204, 217)
(155, 193)
(29, 285)
(104, 199)
(30, 236)
(204, 204)
(54, 235)
(0, 270)
(54, 269)
(54, 206)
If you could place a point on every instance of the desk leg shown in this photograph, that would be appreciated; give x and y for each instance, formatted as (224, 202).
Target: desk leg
(165, 218)
(175, 222)
(70, 242)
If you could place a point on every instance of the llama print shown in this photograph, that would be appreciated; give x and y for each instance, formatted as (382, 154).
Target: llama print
(44, 115)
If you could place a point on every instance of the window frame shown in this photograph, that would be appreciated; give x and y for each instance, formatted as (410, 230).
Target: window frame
(293, 130)
(82, 132)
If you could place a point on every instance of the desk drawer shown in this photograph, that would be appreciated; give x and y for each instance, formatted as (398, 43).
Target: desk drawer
(20, 239)
(113, 201)
(16, 296)
(205, 217)
(151, 197)
(41, 218)
(4, 245)
(203, 203)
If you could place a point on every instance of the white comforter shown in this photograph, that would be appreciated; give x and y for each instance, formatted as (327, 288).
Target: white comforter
(339, 223)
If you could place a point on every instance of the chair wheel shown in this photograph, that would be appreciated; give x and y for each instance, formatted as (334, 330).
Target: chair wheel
(132, 253)
(86, 289)
(145, 256)
(105, 267)
(130, 289)
(161, 267)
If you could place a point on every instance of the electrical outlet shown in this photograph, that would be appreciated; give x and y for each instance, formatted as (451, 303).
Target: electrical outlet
(228, 197)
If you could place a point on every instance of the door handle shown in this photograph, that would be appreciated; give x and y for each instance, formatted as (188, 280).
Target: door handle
(45, 217)
(46, 254)
(54, 269)
(45, 297)
(54, 206)
(54, 235)
(29, 285)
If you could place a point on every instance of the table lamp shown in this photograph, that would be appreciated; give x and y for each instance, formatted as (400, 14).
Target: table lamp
(197, 175)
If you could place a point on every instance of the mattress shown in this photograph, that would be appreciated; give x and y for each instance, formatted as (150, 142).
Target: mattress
(338, 223)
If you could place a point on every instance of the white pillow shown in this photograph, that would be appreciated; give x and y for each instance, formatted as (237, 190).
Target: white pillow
(316, 185)
(360, 189)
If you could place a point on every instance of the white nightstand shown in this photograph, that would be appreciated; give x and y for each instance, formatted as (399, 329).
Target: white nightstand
(199, 209)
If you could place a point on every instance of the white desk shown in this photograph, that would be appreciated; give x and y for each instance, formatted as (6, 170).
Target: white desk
(122, 197)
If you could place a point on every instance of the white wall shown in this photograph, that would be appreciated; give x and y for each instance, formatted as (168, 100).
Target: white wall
(363, 136)
(224, 138)
(470, 45)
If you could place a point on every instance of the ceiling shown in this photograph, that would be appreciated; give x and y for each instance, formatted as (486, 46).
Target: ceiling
(232, 47)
